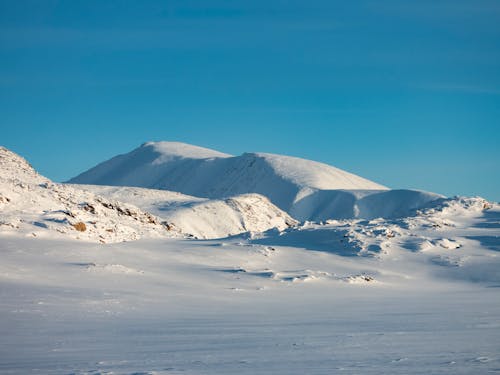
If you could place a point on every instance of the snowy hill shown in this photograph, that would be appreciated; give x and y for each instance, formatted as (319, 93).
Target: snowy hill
(321, 205)
(200, 217)
(222, 218)
(34, 205)
(206, 173)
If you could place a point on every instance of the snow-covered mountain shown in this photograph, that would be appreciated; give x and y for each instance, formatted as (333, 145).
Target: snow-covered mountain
(296, 185)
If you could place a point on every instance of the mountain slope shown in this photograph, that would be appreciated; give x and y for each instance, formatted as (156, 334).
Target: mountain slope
(205, 173)
(34, 205)
(148, 165)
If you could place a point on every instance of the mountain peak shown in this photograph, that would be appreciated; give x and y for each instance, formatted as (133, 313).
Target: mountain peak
(182, 150)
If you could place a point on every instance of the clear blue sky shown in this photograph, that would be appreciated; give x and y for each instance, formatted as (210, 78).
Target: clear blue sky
(406, 93)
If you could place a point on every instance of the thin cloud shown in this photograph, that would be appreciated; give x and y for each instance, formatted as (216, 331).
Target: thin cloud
(437, 9)
(460, 88)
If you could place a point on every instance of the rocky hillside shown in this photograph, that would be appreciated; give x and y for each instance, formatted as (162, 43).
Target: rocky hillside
(34, 205)
(203, 218)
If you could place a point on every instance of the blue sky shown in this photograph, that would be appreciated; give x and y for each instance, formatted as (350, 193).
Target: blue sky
(406, 93)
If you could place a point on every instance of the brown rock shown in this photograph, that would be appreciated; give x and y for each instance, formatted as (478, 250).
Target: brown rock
(81, 227)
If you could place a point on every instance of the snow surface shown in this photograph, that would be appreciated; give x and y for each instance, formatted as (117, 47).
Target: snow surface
(177, 306)
(415, 294)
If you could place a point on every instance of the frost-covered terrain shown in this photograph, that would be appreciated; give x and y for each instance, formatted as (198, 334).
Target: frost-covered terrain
(408, 283)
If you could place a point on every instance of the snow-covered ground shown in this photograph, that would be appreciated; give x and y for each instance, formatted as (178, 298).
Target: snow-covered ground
(413, 292)
(223, 307)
